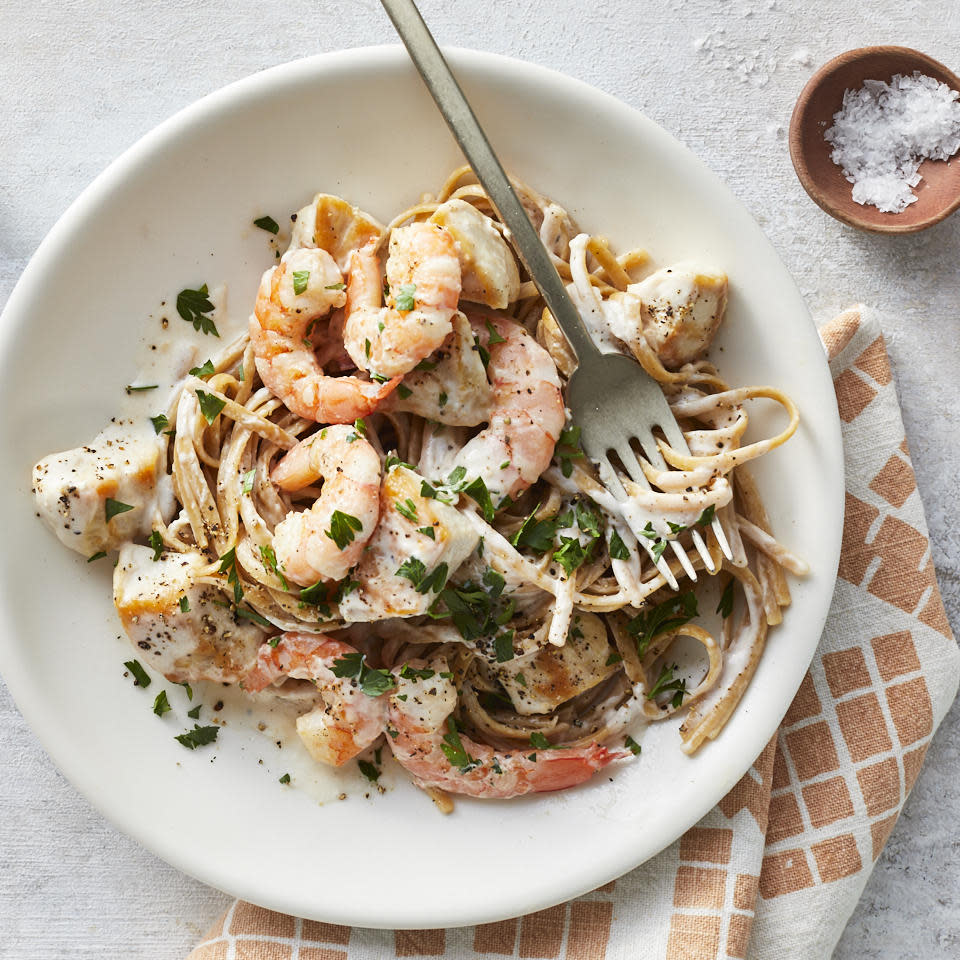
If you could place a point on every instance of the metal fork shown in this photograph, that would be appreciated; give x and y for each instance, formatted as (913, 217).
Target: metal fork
(613, 400)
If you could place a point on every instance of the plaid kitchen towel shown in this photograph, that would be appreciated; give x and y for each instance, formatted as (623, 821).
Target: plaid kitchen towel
(790, 848)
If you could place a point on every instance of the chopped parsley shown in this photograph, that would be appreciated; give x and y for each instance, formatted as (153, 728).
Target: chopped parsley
(404, 391)
(268, 224)
(613, 659)
(416, 673)
(161, 704)
(706, 518)
(503, 646)
(667, 682)
(340, 285)
(536, 534)
(570, 554)
(194, 712)
(373, 682)
(343, 528)
(185, 604)
(132, 389)
(632, 745)
(156, 543)
(269, 558)
(369, 770)
(206, 370)
(477, 490)
(494, 336)
(252, 615)
(186, 686)
(442, 399)
(198, 736)
(140, 676)
(194, 307)
(454, 750)
(248, 479)
(285, 778)
(568, 449)
(210, 405)
(539, 742)
(475, 612)
(404, 297)
(618, 549)
(394, 461)
(228, 565)
(114, 507)
(99, 555)
(300, 280)
(160, 423)
(360, 425)
(658, 543)
(317, 596)
(407, 509)
(413, 570)
(427, 532)
(664, 617)
(725, 606)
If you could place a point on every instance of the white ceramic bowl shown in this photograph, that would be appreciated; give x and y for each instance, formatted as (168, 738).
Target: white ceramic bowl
(175, 210)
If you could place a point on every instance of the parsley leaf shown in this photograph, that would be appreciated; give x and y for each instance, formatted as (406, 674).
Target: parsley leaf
(198, 736)
(495, 581)
(185, 604)
(317, 596)
(248, 479)
(113, 507)
(268, 224)
(413, 569)
(632, 745)
(454, 750)
(285, 778)
(193, 306)
(570, 554)
(435, 580)
(161, 704)
(404, 298)
(494, 336)
(210, 406)
(300, 280)
(416, 673)
(665, 683)
(427, 532)
(404, 391)
(536, 534)
(725, 606)
(664, 617)
(568, 449)
(194, 713)
(132, 389)
(394, 461)
(156, 542)
(539, 742)
(372, 682)
(503, 646)
(99, 555)
(228, 565)
(618, 549)
(407, 509)
(140, 676)
(342, 527)
(269, 558)
(203, 371)
(160, 423)
(706, 518)
(477, 490)
(369, 770)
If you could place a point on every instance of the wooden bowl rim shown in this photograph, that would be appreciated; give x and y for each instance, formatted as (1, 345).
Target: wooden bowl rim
(798, 156)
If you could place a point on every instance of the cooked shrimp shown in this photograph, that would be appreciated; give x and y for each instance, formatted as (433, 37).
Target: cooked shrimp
(526, 415)
(293, 296)
(324, 542)
(347, 721)
(420, 728)
(423, 277)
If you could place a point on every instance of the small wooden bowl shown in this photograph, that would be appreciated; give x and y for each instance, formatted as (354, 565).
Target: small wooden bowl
(938, 192)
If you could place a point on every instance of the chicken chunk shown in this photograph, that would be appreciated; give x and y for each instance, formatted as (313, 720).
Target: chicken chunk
(400, 543)
(181, 625)
(332, 224)
(488, 269)
(100, 495)
(540, 682)
(682, 307)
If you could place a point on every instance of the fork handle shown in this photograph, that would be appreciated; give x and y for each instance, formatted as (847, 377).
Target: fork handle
(473, 141)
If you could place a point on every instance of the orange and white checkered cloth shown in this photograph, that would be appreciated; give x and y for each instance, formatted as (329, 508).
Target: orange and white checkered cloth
(791, 846)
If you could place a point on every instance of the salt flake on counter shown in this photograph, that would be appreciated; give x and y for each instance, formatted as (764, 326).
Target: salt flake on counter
(885, 130)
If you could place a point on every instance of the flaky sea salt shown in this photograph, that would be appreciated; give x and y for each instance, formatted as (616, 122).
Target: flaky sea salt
(884, 131)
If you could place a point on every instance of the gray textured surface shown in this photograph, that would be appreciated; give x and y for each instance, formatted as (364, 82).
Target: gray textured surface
(82, 80)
